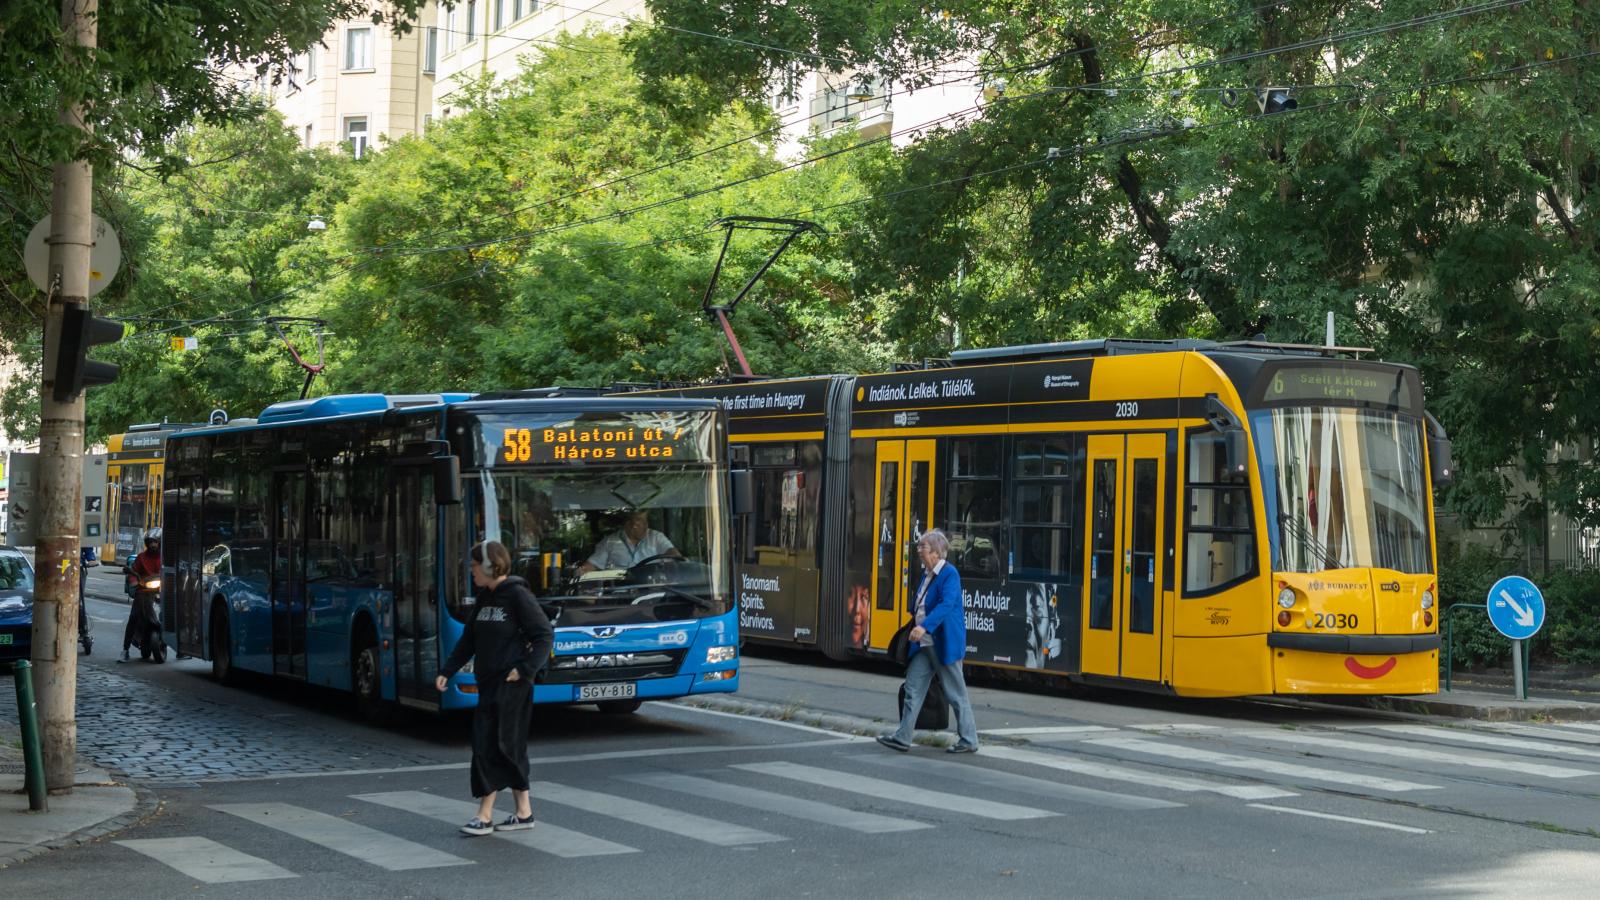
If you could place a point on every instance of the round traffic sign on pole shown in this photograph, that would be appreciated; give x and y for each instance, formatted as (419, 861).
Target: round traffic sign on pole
(1516, 608)
(104, 256)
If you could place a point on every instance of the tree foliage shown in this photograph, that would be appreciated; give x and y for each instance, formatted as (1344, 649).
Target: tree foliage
(1435, 187)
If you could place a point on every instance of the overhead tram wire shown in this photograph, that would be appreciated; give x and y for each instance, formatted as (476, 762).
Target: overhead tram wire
(1432, 18)
(968, 76)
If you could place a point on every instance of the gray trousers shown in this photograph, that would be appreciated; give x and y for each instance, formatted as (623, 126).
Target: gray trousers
(919, 674)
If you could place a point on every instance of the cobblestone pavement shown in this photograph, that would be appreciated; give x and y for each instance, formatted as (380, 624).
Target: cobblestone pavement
(148, 732)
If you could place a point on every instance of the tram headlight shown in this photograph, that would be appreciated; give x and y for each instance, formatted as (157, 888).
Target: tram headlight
(1427, 599)
(1286, 597)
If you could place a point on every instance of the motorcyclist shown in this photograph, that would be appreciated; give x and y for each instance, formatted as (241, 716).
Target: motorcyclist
(86, 559)
(146, 567)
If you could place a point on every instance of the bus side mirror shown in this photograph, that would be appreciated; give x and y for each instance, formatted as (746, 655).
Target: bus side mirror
(1236, 447)
(447, 480)
(742, 491)
(1440, 461)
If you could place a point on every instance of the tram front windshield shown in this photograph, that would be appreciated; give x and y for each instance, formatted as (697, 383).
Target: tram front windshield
(1343, 488)
(612, 547)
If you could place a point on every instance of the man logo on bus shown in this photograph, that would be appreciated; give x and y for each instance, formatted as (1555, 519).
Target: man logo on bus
(606, 631)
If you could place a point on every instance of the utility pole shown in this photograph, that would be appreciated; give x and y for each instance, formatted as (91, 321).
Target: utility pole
(55, 610)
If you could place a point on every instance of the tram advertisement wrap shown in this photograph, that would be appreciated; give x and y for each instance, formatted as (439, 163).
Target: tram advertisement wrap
(778, 602)
(1014, 623)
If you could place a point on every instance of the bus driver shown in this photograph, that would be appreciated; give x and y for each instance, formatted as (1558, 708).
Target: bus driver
(629, 545)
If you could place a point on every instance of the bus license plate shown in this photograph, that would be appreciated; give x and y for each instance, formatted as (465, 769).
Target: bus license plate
(5, 638)
(623, 690)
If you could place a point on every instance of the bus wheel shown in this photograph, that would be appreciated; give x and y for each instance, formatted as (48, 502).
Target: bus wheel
(367, 683)
(221, 648)
(620, 707)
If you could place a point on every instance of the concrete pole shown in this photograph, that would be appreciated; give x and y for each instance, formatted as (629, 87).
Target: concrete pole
(60, 494)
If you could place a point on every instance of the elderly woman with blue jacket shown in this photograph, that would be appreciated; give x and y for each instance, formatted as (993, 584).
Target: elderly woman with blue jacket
(938, 642)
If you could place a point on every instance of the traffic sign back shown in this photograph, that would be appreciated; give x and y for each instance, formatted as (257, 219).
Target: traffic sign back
(1516, 608)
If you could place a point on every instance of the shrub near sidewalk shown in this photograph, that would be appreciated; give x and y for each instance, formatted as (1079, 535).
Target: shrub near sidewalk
(1571, 631)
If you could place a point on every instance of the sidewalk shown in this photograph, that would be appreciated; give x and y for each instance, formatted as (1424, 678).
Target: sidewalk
(96, 807)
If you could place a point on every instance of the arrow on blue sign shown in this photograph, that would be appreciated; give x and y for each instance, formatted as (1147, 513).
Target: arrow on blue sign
(1516, 608)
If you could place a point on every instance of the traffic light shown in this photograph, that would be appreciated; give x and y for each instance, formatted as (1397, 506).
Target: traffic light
(81, 330)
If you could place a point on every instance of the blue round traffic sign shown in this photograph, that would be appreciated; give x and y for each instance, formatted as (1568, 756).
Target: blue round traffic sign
(1516, 608)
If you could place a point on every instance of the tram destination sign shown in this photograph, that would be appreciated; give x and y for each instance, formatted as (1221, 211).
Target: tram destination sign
(1338, 383)
(627, 438)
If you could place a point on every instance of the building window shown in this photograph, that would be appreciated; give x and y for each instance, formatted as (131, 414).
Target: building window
(470, 28)
(308, 137)
(520, 8)
(500, 13)
(355, 134)
(358, 49)
(430, 51)
(427, 122)
(312, 58)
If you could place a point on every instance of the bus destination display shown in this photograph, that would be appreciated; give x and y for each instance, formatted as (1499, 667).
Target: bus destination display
(1336, 383)
(594, 440)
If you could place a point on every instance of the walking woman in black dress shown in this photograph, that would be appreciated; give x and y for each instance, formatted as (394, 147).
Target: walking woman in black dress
(510, 639)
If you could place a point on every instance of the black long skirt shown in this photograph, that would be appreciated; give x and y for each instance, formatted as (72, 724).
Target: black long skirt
(500, 736)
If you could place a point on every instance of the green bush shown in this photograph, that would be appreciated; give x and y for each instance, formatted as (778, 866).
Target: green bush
(1571, 631)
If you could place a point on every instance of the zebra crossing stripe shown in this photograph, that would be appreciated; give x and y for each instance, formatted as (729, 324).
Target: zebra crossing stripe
(1096, 769)
(1021, 784)
(1432, 756)
(711, 831)
(1463, 736)
(1553, 732)
(1251, 764)
(343, 836)
(783, 804)
(546, 838)
(889, 790)
(206, 860)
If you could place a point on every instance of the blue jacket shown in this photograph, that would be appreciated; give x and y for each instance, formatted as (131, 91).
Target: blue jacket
(946, 619)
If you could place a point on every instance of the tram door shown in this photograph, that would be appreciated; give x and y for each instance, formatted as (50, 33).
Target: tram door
(1123, 605)
(903, 507)
(416, 595)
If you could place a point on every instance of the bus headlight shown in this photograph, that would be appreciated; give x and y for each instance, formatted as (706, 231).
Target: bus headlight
(722, 654)
(1427, 599)
(467, 668)
(1286, 597)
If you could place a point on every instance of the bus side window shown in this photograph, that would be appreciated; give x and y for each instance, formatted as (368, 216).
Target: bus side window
(1220, 545)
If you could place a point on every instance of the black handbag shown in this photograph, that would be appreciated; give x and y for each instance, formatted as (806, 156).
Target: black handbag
(935, 712)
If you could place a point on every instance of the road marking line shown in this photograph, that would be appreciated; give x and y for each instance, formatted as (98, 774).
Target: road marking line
(1164, 729)
(724, 834)
(1276, 767)
(1585, 726)
(206, 860)
(1351, 819)
(889, 790)
(544, 837)
(1489, 740)
(767, 801)
(343, 836)
(1430, 756)
(766, 721)
(1021, 784)
(1110, 772)
(1553, 732)
(1051, 729)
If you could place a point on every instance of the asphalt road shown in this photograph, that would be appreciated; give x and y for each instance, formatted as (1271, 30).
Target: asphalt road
(269, 789)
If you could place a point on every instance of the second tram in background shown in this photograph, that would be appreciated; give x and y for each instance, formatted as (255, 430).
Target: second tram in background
(1206, 519)
(135, 464)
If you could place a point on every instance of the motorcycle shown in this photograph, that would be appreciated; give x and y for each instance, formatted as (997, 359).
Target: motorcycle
(86, 560)
(146, 594)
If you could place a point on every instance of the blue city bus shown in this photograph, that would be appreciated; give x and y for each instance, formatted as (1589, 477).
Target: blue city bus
(326, 541)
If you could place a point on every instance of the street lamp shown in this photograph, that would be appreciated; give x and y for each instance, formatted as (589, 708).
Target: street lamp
(316, 224)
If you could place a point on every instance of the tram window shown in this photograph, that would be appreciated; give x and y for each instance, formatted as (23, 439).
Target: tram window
(979, 458)
(1220, 543)
(786, 479)
(974, 517)
(1046, 469)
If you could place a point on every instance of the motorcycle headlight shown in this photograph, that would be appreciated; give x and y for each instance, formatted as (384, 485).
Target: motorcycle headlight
(153, 583)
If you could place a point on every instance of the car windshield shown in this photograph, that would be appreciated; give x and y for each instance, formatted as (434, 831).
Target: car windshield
(611, 547)
(1344, 488)
(15, 574)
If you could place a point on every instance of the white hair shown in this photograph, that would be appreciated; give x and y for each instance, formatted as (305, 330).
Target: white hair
(936, 541)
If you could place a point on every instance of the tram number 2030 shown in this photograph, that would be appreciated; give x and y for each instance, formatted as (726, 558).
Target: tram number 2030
(1333, 620)
(1128, 409)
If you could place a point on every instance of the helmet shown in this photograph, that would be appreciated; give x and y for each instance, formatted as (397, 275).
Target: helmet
(153, 534)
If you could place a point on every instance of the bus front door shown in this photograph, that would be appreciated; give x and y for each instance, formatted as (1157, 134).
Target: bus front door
(288, 574)
(416, 596)
(904, 510)
(1123, 606)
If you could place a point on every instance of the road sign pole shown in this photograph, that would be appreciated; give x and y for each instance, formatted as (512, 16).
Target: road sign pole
(1516, 667)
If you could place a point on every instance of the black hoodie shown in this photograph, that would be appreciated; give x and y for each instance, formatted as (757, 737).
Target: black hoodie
(508, 630)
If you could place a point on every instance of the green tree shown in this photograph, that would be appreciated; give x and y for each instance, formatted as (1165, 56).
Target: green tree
(1435, 187)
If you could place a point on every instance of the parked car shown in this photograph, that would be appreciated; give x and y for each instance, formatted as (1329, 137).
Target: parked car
(16, 605)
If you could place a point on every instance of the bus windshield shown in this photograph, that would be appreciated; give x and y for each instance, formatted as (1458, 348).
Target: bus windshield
(1343, 488)
(612, 547)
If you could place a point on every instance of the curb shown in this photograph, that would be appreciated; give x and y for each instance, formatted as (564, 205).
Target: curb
(145, 806)
(1583, 712)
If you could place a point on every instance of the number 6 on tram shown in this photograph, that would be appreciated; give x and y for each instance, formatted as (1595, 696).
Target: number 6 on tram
(1185, 516)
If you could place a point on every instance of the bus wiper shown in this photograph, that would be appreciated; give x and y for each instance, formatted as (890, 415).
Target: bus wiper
(661, 589)
(1302, 533)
